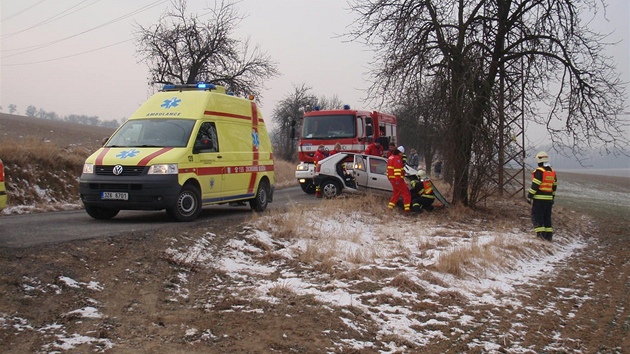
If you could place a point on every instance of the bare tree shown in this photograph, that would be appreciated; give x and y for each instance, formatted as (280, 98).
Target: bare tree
(419, 115)
(471, 42)
(334, 102)
(31, 111)
(185, 49)
(288, 114)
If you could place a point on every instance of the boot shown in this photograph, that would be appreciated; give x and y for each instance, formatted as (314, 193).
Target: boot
(541, 235)
(548, 236)
(318, 192)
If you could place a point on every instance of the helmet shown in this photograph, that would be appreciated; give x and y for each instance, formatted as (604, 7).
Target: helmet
(421, 174)
(542, 156)
(401, 149)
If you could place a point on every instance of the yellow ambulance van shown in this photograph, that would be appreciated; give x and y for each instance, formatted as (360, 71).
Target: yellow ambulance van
(186, 147)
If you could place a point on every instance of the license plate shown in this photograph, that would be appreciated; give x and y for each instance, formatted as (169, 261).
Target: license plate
(115, 195)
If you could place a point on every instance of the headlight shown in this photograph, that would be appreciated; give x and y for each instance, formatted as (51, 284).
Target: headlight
(302, 167)
(88, 168)
(170, 169)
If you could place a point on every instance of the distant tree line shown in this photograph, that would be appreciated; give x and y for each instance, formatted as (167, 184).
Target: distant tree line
(32, 111)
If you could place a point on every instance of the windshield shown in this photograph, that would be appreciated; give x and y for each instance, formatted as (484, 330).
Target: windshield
(323, 127)
(153, 133)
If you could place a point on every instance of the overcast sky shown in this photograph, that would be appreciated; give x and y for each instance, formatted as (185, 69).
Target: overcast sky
(301, 36)
(78, 56)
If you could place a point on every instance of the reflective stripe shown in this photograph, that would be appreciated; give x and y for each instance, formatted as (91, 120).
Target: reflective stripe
(549, 179)
(544, 188)
(428, 188)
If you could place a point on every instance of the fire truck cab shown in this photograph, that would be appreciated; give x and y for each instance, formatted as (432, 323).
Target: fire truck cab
(354, 130)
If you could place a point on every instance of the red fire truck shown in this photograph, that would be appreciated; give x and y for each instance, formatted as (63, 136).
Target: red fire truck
(353, 129)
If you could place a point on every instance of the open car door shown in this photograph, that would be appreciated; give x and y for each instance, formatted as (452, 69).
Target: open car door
(370, 172)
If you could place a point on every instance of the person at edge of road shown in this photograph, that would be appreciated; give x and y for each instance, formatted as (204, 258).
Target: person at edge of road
(542, 192)
(337, 149)
(438, 169)
(414, 159)
(374, 149)
(320, 154)
(395, 173)
(422, 196)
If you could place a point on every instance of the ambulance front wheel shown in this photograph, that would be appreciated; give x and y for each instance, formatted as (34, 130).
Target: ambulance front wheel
(101, 213)
(259, 203)
(187, 205)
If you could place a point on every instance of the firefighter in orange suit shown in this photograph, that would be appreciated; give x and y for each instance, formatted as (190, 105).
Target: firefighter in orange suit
(319, 155)
(542, 192)
(395, 172)
(422, 196)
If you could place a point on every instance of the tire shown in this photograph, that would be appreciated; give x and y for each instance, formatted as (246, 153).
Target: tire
(259, 203)
(330, 189)
(308, 187)
(101, 213)
(188, 204)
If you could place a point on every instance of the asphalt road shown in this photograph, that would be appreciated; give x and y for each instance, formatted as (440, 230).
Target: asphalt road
(27, 230)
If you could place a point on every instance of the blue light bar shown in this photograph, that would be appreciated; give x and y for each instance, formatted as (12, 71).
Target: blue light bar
(346, 106)
(198, 86)
(316, 108)
(206, 86)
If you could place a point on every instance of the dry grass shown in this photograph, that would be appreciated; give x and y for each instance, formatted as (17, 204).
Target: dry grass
(476, 259)
(285, 173)
(41, 173)
(431, 278)
(404, 284)
(327, 244)
(281, 291)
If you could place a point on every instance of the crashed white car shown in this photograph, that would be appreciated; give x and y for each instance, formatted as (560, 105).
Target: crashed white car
(353, 173)
(358, 173)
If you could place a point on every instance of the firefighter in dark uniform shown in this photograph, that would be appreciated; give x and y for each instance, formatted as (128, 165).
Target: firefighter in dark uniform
(422, 196)
(542, 193)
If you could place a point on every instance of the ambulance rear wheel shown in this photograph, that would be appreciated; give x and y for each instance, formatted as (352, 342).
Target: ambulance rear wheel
(259, 203)
(188, 204)
(330, 189)
(101, 213)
